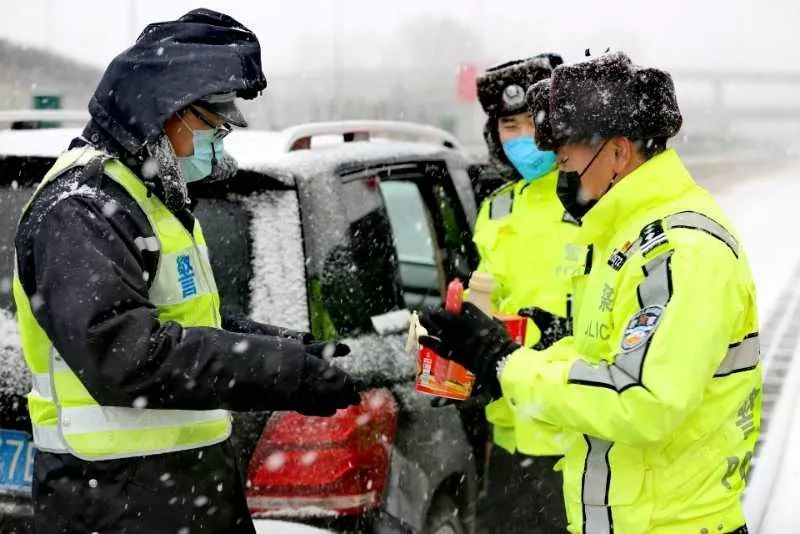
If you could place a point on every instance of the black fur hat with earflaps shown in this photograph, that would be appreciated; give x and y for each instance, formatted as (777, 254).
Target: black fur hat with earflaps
(605, 97)
(501, 92)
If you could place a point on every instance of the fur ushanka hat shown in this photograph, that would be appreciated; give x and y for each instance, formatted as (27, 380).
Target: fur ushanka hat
(501, 92)
(604, 97)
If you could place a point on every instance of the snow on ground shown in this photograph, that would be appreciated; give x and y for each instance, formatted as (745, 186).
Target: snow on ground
(764, 211)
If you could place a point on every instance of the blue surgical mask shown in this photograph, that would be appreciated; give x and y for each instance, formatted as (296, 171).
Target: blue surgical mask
(526, 157)
(207, 150)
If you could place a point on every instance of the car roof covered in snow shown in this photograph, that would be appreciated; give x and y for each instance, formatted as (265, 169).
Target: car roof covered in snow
(256, 150)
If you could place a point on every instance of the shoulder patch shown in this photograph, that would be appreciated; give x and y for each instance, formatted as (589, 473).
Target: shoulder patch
(500, 204)
(652, 236)
(641, 327)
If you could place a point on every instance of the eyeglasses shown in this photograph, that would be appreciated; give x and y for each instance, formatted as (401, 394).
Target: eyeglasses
(219, 131)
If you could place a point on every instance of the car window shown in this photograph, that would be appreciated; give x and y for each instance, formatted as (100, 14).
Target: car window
(360, 275)
(225, 225)
(415, 242)
(382, 241)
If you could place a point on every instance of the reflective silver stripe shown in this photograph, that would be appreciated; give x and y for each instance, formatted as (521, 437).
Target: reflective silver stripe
(626, 371)
(105, 418)
(693, 221)
(742, 356)
(57, 362)
(41, 385)
(149, 244)
(656, 288)
(48, 438)
(172, 286)
(596, 481)
(698, 221)
(501, 204)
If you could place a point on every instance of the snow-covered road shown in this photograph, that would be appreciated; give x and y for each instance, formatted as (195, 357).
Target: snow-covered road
(765, 212)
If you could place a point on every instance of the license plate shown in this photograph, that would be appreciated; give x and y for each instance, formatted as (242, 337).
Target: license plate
(16, 462)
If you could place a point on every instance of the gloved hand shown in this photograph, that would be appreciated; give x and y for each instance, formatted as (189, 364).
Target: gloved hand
(551, 326)
(471, 338)
(325, 388)
(326, 350)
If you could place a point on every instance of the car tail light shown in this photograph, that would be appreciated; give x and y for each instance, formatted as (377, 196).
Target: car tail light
(324, 466)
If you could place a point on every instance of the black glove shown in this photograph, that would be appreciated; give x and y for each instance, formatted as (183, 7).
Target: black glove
(325, 388)
(551, 326)
(472, 339)
(326, 350)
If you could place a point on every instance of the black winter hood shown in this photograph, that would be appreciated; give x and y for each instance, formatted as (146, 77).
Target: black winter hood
(172, 65)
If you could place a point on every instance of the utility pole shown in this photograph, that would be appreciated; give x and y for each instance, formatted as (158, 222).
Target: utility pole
(132, 21)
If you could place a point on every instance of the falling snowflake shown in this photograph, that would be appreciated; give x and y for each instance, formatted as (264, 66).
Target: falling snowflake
(275, 461)
(308, 458)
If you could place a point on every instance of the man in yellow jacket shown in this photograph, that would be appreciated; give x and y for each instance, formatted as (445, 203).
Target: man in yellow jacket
(659, 388)
(521, 233)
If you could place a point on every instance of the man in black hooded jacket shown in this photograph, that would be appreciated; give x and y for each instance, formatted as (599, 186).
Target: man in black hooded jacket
(87, 259)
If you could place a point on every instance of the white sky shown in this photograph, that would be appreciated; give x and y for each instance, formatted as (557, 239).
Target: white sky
(297, 34)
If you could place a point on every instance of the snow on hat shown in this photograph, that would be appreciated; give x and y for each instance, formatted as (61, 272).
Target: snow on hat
(538, 100)
(608, 96)
(501, 89)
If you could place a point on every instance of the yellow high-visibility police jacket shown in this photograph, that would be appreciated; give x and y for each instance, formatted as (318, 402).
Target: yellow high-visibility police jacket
(660, 385)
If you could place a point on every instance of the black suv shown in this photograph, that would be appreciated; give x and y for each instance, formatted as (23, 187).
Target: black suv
(341, 240)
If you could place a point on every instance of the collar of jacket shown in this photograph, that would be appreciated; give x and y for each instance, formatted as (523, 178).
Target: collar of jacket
(660, 179)
(543, 185)
(94, 135)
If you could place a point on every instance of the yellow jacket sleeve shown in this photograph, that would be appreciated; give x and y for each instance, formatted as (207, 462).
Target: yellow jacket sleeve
(643, 392)
(527, 435)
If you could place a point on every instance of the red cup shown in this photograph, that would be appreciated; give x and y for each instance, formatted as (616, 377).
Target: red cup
(517, 327)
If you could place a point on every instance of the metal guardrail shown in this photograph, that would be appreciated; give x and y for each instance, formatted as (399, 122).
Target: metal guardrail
(44, 115)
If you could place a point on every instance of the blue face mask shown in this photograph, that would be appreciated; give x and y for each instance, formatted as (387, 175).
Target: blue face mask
(526, 157)
(207, 149)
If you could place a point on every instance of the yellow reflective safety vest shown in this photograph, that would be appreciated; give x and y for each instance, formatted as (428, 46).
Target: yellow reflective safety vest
(524, 240)
(661, 381)
(65, 417)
